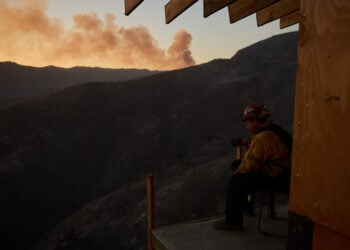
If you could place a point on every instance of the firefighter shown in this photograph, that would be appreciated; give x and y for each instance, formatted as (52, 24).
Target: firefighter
(266, 164)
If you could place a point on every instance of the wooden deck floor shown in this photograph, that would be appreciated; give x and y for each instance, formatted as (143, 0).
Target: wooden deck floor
(202, 236)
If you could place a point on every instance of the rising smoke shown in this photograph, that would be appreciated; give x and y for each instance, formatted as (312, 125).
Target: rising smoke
(28, 36)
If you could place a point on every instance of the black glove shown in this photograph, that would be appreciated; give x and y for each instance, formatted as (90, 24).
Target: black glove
(235, 164)
(237, 142)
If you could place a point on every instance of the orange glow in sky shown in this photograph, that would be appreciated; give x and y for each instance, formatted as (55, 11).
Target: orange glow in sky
(31, 37)
(69, 33)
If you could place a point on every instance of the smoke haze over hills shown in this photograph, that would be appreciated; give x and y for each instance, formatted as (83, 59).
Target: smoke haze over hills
(30, 37)
(73, 163)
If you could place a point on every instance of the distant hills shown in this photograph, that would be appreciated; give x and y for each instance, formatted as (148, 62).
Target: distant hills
(22, 83)
(73, 162)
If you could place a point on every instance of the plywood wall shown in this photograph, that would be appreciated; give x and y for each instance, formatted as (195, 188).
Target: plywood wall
(320, 187)
(325, 239)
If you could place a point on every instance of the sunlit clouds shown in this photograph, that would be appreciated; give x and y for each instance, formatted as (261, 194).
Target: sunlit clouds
(30, 37)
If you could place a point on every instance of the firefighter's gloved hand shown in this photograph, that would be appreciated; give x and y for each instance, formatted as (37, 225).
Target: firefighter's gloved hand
(237, 142)
(235, 164)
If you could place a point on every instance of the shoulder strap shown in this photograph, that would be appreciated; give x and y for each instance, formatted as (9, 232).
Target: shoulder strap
(282, 134)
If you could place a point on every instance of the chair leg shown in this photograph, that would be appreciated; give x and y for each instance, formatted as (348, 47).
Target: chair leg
(271, 207)
(271, 211)
(260, 212)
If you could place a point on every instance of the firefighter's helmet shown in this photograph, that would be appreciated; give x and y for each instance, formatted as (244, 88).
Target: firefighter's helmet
(255, 111)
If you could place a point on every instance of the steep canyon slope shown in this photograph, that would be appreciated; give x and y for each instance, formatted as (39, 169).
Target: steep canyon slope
(73, 163)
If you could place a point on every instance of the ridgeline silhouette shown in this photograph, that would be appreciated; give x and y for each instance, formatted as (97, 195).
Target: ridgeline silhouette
(23, 83)
(73, 163)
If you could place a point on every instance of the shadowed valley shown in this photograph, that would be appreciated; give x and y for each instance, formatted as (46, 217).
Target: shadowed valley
(73, 162)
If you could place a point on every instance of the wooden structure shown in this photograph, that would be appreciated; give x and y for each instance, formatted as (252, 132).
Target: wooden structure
(202, 235)
(320, 162)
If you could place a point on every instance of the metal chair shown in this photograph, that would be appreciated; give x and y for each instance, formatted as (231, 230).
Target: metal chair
(271, 211)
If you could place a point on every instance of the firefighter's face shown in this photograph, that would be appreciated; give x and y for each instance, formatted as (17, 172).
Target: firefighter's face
(253, 126)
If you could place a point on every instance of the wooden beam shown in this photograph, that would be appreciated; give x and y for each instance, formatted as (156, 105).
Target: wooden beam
(277, 10)
(290, 19)
(242, 8)
(321, 122)
(211, 6)
(150, 209)
(130, 5)
(175, 7)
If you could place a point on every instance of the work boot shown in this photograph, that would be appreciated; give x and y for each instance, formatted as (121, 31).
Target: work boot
(227, 226)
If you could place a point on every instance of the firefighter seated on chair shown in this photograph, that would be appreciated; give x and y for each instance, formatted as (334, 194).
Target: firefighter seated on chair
(266, 164)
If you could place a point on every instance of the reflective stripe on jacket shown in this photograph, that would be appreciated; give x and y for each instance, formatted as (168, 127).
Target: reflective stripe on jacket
(266, 153)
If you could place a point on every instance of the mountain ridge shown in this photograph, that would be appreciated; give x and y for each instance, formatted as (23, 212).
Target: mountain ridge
(20, 83)
(73, 163)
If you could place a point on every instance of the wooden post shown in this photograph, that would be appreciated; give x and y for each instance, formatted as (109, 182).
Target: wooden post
(239, 152)
(150, 210)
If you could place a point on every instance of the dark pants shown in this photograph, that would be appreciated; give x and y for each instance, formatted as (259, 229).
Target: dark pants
(240, 185)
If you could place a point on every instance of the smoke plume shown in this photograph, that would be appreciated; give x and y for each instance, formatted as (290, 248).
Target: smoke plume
(29, 36)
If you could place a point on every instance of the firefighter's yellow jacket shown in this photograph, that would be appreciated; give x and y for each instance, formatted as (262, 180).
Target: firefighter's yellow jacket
(266, 153)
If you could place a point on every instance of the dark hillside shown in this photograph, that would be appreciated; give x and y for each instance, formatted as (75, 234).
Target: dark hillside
(21, 83)
(73, 163)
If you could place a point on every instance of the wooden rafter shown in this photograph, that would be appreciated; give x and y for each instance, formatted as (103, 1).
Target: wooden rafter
(290, 19)
(130, 5)
(242, 8)
(175, 7)
(211, 6)
(266, 10)
(277, 10)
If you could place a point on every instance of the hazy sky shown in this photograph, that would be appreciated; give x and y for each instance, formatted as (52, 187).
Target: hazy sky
(67, 33)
